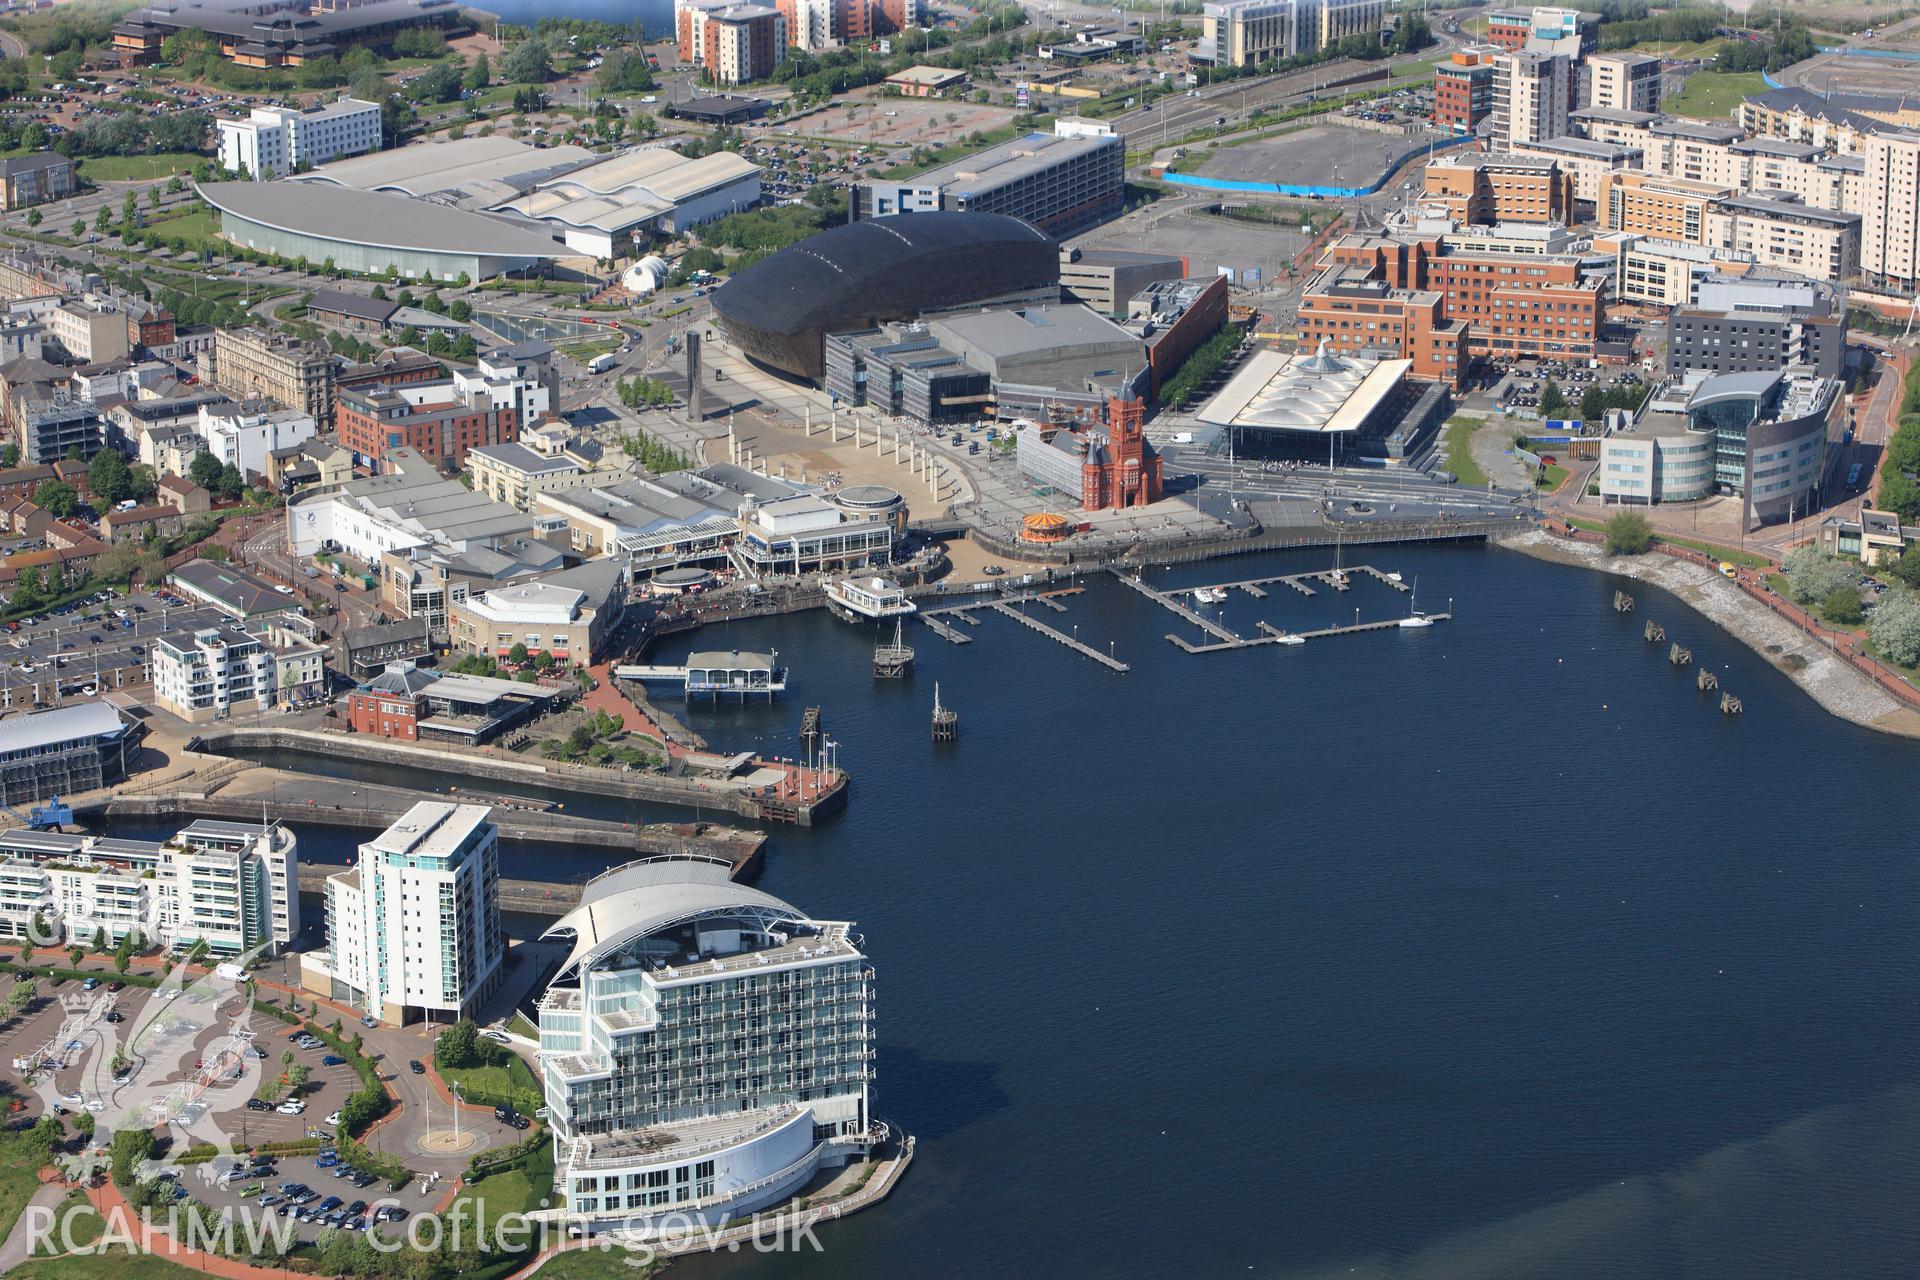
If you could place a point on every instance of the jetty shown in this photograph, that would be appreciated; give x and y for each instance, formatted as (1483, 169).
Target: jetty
(1112, 664)
(1225, 639)
(1274, 635)
(1166, 601)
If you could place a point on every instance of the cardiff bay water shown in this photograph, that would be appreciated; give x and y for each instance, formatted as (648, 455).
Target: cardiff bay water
(1487, 949)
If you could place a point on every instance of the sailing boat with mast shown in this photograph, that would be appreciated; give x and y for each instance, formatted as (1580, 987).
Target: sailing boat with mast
(1415, 618)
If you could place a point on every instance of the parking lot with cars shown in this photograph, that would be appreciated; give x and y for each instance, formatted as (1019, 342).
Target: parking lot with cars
(75, 649)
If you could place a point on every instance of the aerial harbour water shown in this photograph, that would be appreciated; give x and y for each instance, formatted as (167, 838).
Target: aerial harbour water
(1486, 949)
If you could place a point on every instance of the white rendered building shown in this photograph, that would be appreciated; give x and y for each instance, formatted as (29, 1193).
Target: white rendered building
(413, 929)
(245, 434)
(705, 1048)
(210, 674)
(274, 141)
(234, 886)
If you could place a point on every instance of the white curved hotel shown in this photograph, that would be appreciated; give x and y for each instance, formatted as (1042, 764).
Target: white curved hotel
(706, 1049)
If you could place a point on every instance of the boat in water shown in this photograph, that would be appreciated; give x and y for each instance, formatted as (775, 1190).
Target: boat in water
(867, 599)
(1415, 618)
(1210, 595)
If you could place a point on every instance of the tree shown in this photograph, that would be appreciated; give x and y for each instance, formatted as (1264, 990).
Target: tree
(1813, 576)
(103, 219)
(1628, 534)
(542, 660)
(230, 483)
(529, 62)
(1899, 493)
(1553, 402)
(1907, 567)
(1904, 447)
(109, 476)
(460, 309)
(458, 1045)
(518, 654)
(33, 217)
(129, 1148)
(46, 1134)
(9, 454)
(478, 75)
(1895, 628)
(142, 483)
(204, 470)
(580, 739)
(57, 498)
(1842, 606)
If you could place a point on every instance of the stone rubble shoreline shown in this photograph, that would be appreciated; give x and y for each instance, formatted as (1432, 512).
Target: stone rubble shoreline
(1837, 686)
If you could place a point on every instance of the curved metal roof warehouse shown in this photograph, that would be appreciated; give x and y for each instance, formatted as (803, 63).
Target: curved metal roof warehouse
(369, 231)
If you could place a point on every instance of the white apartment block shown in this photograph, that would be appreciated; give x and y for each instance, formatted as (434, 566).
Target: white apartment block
(413, 929)
(1624, 81)
(705, 1049)
(210, 674)
(274, 141)
(233, 886)
(245, 434)
(1890, 210)
(812, 27)
(1529, 98)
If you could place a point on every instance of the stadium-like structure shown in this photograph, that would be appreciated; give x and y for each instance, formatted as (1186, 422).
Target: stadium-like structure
(859, 274)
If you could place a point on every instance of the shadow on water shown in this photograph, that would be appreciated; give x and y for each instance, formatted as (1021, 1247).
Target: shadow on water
(935, 1097)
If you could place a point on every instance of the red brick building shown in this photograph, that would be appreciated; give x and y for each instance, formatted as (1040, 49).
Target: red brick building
(1463, 90)
(390, 705)
(1197, 309)
(1124, 470)
(431, 418)
(1509, 29)
(1349, 312)
(1510, 305)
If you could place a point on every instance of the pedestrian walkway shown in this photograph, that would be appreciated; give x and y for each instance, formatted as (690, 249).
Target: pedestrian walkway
(20, 1241)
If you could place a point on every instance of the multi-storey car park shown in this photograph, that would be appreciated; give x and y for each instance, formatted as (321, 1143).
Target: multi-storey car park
(706, 1049)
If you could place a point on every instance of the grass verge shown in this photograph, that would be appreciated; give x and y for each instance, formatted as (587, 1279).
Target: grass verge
(1460, 432)
(1713, 95)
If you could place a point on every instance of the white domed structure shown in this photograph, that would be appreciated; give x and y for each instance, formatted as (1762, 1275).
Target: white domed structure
(646, 275)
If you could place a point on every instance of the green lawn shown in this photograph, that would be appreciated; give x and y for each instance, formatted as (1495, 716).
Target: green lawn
(1733, 555)
(140, 1266)
(137, 168)
(599, 1264)
(502, 1193)
(514, 1080)
(1460, 431)
(1680, 49)
(190, 230)
(86, 1227)
(19, 1178)
(1713, 95)
(1552, 478)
